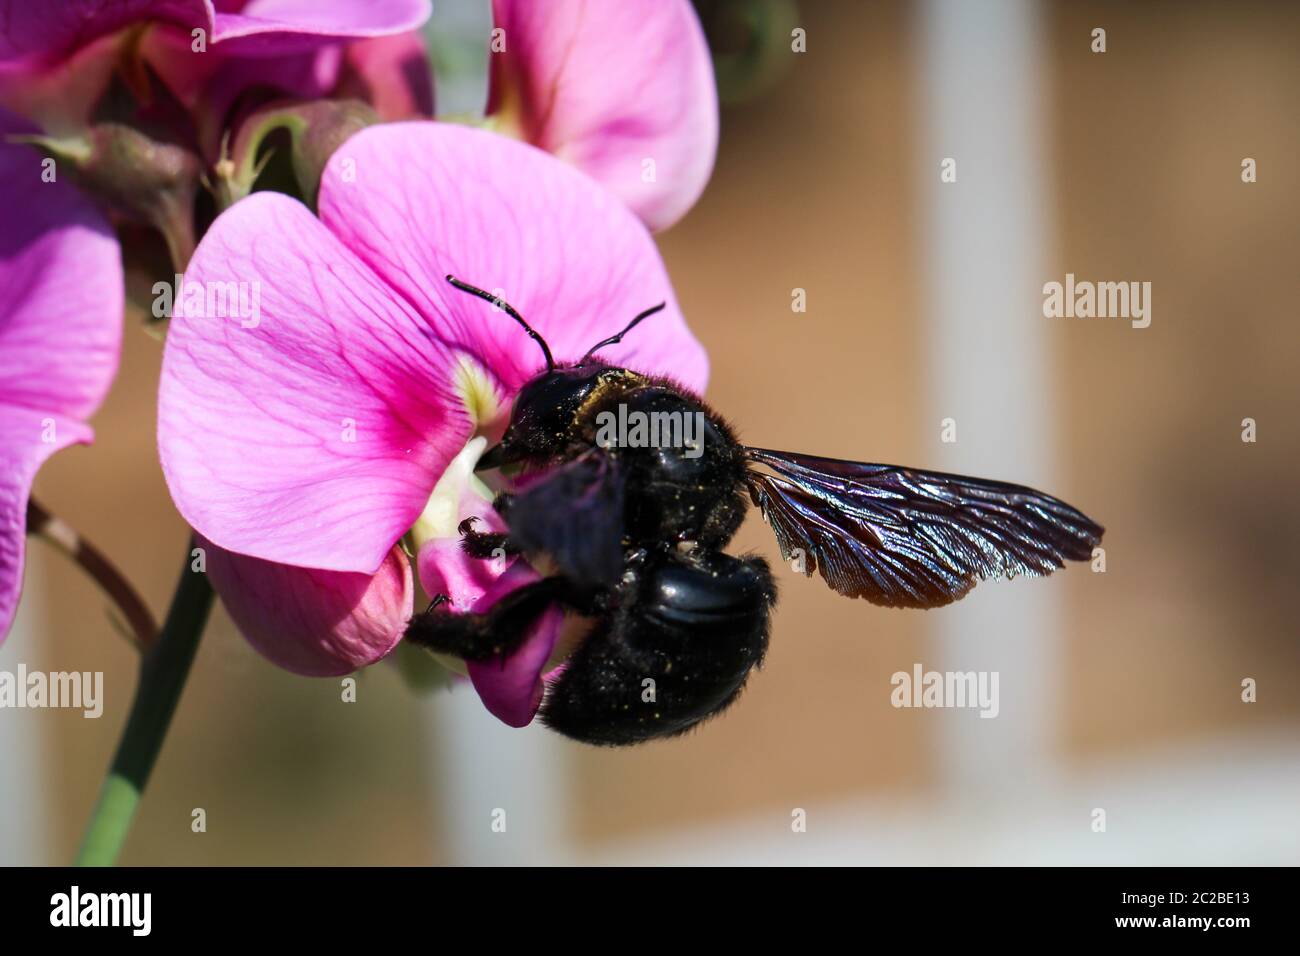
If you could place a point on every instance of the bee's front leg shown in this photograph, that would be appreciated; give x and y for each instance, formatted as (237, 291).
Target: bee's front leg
(484, 544)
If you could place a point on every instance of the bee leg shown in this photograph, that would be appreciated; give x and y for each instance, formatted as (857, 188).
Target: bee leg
(499, 630)
(484, 544)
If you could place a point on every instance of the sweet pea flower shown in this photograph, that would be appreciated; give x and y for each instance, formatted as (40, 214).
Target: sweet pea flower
(624, 91)
(56, 57)
(61, 290)
(306, 445)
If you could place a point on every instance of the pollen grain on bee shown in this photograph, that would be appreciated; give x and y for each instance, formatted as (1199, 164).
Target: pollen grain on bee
(632, 428)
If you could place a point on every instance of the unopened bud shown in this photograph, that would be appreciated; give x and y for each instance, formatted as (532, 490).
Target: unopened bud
(138, 178)
(316, 130)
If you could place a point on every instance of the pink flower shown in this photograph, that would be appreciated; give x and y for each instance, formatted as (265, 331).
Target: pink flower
(624, 91)
(56, 57)
(61, 294)
(306, 444)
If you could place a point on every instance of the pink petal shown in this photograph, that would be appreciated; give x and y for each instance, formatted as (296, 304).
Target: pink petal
(214, 79)
(294, 47)
(417, 201)
(444, 568)
(315, 623)
(511, 688)
(442, 565)
(60, 331)
(46, 30)
(272, 27)
(27, 438)
(607, 86)
(61, 290)
(60, 95)
(38, 40)
(315, 437)
(392, 74)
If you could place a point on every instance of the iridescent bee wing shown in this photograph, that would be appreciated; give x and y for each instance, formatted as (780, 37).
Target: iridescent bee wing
(903, 537)
(575, 514)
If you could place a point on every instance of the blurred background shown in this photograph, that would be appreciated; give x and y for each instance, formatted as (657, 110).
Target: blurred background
(1120, 691)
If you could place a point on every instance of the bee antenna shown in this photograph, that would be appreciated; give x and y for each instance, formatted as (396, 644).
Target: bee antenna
(615, 339)
(510, 311)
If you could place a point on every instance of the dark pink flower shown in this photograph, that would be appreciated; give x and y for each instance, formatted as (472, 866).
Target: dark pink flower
(306, 444)
(624, 91)
(60, 333)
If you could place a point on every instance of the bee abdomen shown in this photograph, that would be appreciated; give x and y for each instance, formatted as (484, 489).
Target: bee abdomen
(678, 653)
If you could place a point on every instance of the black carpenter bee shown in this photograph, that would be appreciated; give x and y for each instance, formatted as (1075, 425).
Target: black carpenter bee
(636, 532)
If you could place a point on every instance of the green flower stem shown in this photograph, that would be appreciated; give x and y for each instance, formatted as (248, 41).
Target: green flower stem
(162, 676)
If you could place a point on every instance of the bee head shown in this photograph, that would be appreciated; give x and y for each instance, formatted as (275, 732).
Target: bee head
(544, 412)
(546, 407)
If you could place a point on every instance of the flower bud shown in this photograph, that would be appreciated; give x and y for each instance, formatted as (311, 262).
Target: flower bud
(138, 178)
(316, 130)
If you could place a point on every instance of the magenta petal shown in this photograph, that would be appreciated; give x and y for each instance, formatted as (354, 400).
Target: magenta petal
(444, 568)
(610, 86)
(60, 330)
(40, 41)
(417, 201)
(275, 26)
(313, 435)
(61, 290)
(315, 623)
(44, 30)
(212, 80)
(511, 688)
(59, 95)
(27, 438)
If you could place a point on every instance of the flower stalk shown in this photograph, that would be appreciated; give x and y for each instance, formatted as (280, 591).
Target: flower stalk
(163, 673)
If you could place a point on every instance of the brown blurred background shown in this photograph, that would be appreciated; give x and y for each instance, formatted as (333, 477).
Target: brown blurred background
(1129, 681)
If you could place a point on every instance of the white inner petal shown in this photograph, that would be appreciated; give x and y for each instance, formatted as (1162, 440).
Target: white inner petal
(442, 513)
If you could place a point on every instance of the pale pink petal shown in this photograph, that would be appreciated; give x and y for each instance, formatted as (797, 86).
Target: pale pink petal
(417, 201)
(511, 688)
(313, 433)
(624, 91)
(61, 290)
(27, 438)
(315, 623)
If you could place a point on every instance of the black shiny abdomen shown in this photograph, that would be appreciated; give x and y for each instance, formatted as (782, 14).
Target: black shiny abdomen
(676, 650)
